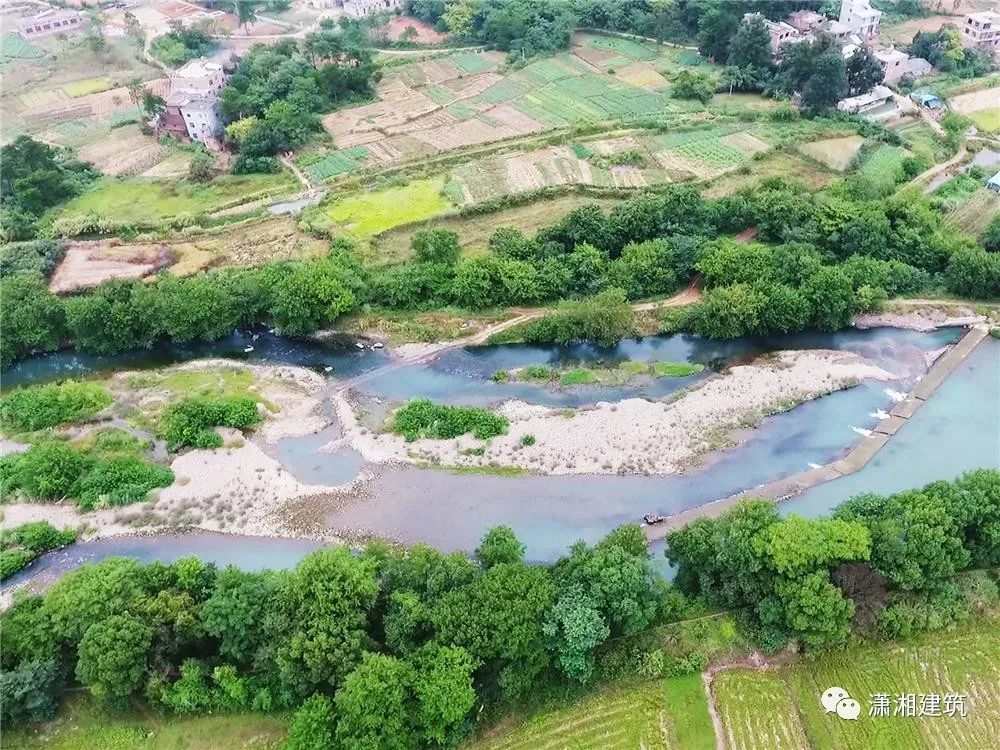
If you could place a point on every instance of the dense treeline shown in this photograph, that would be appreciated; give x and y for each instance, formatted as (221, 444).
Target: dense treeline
(35, 178)
(819, 259)
(395, 649)
(273, 98)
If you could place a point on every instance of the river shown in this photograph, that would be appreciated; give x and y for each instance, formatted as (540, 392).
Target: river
(955, 431)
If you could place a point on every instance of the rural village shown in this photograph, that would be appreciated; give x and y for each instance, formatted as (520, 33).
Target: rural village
(500, 374)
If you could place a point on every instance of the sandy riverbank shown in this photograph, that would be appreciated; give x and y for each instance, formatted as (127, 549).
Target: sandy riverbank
(238, 488)
(634, 435)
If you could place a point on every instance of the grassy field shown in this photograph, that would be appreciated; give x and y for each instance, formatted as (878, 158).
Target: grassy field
(87, 86)
(82, 725)
(835, 153)
(141, 200)
(974, 214)
(669, 713)
(362, 215)
(757, 711)
(474, 232)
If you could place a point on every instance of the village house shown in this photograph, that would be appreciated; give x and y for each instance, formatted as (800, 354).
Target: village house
(878, 97)
(50, 22)
(981, 31)
(362, 8)
(192, 109)
(779, 31)
(860, 17)
(805, 21)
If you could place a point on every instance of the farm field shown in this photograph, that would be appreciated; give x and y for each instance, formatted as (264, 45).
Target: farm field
(137, 200)
(125, 151)
(461, 100)
(362, 215)
(657, 714)
(975, 101)
(249, 243)
(974, 214)
(474, 232)
(780, 708)
(986, 120)
(835, 153)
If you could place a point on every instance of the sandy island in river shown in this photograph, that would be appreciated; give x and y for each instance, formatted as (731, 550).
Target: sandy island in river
(634, 435)
(241, 489)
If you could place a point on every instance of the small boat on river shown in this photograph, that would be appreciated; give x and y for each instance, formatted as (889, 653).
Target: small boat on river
(653, 518)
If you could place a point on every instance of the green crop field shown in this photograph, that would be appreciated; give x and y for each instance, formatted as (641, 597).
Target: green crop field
(669, 713)
(757, 711)
(323, 167)
(781, 708)
(88, 86)
(365, 214)
(987, 120)
(975, 214)
(13, 47)
(141, 200)
(625, 47)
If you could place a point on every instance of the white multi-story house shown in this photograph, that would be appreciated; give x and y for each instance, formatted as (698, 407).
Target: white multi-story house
(981, 31)
(860, 16)
(193, 103)
(361, 8)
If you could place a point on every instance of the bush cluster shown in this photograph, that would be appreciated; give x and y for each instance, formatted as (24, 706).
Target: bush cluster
(422, 419)
(22, 544)
(53, 470)
(41, 406)
(191, 421)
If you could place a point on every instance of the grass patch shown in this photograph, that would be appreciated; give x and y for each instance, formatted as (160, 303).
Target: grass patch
(422, 419)
(84, 724)
(676, 369)
(138, 200)
(365, 214)
(582, 376)
(689, 725)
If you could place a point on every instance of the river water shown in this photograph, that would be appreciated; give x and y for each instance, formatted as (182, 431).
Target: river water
(956, 430)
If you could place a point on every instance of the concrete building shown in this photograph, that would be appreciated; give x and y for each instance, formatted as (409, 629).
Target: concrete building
(779, 31)
(893, 62)
(860, 16)
(362, 8)
(981, 31)
(805, 21)
(192, 109)
(50, 22)
(858, 105)
(198, 76)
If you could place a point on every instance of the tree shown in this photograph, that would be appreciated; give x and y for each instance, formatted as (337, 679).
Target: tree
(828, 83)
(991, 237)
(729, 312)
(715, 29)
(312, 724)
(409, 34)
(201, 168)
(236, 610)
(606, 318)
(645, 269)
(435, 246)
(33, 319)
(750, 46)
(112, 658)
(831, 298)
(318, 635)
(246, 12)
(690, 84)
(29, 691)
(308, 296)
(115, 317)
(574, 628)
(372, 705)
(500, 545)
(443, 691)
(863, 72)
(974, 272)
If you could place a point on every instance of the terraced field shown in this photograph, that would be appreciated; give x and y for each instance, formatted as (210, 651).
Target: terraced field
(974, 214)
(757, 711)
(659, 714)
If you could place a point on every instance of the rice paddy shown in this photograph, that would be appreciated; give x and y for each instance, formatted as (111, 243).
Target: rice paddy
(362, 215)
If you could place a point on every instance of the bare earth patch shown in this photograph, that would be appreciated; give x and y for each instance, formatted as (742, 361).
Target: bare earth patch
(835, 153)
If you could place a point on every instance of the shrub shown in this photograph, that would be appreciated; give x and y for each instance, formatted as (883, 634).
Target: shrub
(38, 537)
(121, 480)
(605, 318)
(47, 471)
(12, 561)
(527, 440)
(422, 419)
(41, 406)
(501, 376)
(191, 421)
(36, 257)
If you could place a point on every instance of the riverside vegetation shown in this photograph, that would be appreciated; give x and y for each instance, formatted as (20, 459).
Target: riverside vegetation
(395, 649)
(820, 258)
